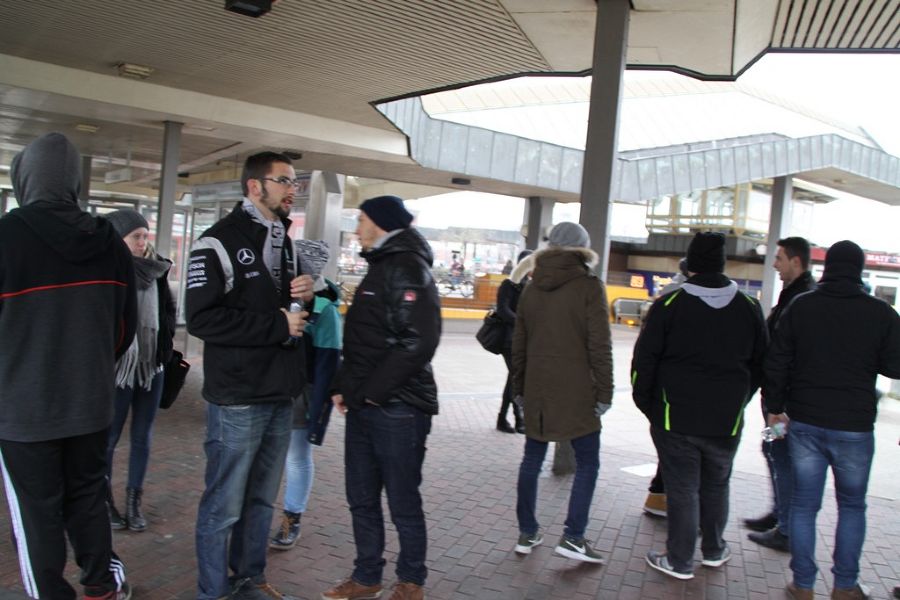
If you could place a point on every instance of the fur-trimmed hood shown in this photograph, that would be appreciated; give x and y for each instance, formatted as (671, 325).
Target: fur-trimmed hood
(554, 267)
(527, 264)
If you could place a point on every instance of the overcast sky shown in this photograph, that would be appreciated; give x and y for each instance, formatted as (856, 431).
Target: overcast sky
(858, 89)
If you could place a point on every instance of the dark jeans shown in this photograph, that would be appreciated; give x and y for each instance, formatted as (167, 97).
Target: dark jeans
(696, 470)
(245, 450)
(57, 489)
(778, 457)
(849, 454)
(384, 448)
(587, 465)
(143, 404)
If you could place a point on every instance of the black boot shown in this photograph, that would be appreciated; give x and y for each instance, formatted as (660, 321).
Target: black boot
(520, 419)
(288, 533)
(503, 425)
(115, 518)
(133, 515)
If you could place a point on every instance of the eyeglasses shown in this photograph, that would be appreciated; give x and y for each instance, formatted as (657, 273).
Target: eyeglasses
(283, 180)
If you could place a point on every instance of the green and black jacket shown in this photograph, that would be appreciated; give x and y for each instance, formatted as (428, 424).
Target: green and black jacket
(698, 360)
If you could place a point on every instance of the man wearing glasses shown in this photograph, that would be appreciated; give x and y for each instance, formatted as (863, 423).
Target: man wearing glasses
(241, 282)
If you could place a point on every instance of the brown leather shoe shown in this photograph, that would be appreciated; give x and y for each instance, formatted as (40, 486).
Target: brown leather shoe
(854, 593)
(799, 593)
(350, 590)
(407, 591)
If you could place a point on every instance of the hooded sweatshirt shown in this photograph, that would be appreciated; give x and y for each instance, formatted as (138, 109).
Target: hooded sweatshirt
(699, 358)
(67, 302)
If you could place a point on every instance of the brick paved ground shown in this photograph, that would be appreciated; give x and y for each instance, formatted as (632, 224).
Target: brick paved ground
(469, 490)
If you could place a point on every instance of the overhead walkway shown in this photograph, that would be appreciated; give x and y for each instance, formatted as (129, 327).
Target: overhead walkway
(641, 175)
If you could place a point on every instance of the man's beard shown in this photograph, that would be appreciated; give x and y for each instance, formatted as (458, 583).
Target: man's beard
(279, 209)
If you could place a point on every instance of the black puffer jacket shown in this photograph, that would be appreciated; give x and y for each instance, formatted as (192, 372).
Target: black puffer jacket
(828, 349)
(393, 327)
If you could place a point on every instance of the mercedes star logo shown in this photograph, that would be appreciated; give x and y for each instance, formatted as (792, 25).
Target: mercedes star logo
(245, 256)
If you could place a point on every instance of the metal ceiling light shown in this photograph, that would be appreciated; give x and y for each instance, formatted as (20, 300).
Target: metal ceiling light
(249, 8)
(133, 71)
(87, 128)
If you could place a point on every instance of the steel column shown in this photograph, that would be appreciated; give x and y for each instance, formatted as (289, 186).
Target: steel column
(779, 223)
(600, 157)
(167, 181)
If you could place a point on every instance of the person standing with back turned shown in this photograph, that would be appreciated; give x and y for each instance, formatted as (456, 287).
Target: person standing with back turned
(696, 364)
(67, 312)
(562, 367)
(829, 347)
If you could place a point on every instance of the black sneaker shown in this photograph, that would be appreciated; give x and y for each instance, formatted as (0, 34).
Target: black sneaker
(762, 524)
(578, 550)
(660, 562)
(288, 532)
(527, 541)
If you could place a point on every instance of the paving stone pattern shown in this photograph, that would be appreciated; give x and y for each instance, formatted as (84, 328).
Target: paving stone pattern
(469, 490)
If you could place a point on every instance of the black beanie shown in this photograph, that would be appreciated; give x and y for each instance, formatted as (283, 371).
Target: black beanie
(126, 220)
(844, 259)
(387, 212)
(706, 254)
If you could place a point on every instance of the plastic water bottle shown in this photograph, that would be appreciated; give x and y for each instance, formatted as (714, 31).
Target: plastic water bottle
(292, 341)
(776, 431)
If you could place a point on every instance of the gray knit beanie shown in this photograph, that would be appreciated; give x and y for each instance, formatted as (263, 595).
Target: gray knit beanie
(126, 220)
(569, 235)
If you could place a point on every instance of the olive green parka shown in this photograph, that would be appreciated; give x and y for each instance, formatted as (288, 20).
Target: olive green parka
(562, 352)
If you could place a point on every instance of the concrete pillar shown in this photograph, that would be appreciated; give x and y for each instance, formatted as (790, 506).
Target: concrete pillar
(779, 223)
(85, 193)
(4, 200)
(323, 215)
(600, 151)
(538, 217)
(168, 178)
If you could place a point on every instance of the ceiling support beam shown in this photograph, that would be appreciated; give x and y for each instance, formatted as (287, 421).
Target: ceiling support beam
(600, 152)
(168, 181)
(779, 224)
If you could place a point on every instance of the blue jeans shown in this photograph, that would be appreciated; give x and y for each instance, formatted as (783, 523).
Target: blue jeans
(384, 449)
(299, 471)
(696, 470)
(245, 450)
(143, 404)
(778, 457)
(587, 465)
(849, 454)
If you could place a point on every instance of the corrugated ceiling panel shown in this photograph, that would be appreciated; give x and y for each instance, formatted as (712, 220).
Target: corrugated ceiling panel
(328, 58)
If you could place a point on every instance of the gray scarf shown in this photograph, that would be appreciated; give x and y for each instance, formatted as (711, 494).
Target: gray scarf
(138, 367)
